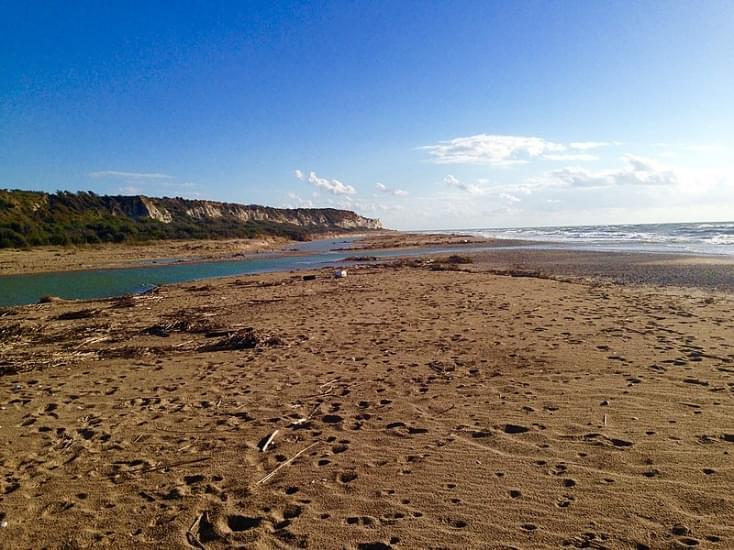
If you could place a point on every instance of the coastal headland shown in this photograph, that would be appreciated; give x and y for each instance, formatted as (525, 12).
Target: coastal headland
(509, 398)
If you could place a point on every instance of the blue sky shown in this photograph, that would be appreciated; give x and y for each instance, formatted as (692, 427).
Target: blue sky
(425, 114)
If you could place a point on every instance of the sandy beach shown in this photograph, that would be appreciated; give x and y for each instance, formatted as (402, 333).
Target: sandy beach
(411, 405)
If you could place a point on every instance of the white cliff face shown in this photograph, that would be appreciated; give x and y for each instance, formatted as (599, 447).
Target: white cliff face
(302, 217)
(63, 218)
(155, 213)
(205, 210)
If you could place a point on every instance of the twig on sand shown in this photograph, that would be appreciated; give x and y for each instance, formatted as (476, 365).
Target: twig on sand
(301, 421)
(286, 463)
(92, 340)
(203, 432)
(191, 536)
(269, 441)
(173, 464)
(329, 389)
(442, 411)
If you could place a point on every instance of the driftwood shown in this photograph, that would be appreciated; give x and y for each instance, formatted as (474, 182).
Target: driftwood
(286, 463)
(268, 441)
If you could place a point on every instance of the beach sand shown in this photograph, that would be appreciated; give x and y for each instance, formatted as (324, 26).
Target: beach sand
(416, 405)
(102, 256)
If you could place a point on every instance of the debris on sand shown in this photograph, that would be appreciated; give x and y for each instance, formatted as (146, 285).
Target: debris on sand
(183, 321)
(361, 259)
(50, 300)
(124, 301)
(79, 314)
(456, 259)
(242, 339)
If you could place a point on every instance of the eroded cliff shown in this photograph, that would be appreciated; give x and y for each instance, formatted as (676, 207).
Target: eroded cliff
(29, 218)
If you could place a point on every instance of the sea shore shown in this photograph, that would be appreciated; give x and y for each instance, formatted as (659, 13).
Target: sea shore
(44, 259)
(479, 401)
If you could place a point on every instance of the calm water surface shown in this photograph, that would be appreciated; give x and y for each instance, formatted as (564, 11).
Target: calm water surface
(104, 283)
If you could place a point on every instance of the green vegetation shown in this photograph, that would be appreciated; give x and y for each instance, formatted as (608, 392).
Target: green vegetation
(30, 218)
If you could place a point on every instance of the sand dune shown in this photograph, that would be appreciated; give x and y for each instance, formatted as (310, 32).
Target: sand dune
(431, 408)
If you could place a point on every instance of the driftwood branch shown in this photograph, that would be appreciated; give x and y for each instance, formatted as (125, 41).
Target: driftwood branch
(286, 463)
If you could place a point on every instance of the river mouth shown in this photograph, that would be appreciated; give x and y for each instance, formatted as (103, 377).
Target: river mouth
(26, 289)
(106, 283)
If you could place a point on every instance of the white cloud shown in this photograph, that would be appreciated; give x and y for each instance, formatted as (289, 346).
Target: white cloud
(638, 171)
(332, 186)
(585, 145)
(129, 190)
(397, 192)
(489, 149)
(130, 175)
(510, 198)
(497, 150)
(570, 156)
(298, 202)
(472, 189)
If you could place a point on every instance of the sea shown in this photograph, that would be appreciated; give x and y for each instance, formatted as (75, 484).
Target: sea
(715, 238)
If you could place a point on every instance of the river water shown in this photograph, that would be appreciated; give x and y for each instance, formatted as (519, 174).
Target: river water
(104, 283)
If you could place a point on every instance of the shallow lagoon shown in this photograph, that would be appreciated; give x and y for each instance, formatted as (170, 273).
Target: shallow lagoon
(103, 283)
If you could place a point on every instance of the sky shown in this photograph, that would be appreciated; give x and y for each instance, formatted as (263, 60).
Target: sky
(426, 114)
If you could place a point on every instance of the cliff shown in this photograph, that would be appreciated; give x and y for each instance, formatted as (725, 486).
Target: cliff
(30, 218)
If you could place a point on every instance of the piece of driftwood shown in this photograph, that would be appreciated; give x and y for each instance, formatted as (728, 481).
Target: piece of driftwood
(172, 465)
(191, 533)
(268, 441)
(286, 463)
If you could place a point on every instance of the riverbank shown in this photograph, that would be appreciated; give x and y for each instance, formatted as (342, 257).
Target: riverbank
(44, 259)
(412, 404)
(50, 259)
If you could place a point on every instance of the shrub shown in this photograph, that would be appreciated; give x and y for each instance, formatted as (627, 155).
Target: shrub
(11, 239)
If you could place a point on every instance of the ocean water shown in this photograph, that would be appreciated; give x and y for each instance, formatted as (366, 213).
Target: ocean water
(694, 238)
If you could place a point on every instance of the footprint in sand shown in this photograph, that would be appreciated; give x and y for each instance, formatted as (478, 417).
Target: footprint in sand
(341, 447)
(455, 523)
(346, 477)
(515, 429)
(364, 521)
(238, 523)
(374, 546)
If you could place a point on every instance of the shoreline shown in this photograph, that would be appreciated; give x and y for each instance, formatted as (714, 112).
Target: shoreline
(160, 253)
(707, 272)
(56, 259)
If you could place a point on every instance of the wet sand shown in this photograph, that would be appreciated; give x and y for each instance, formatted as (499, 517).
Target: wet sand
(417, 404)
(396, 239)
(686, 271)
